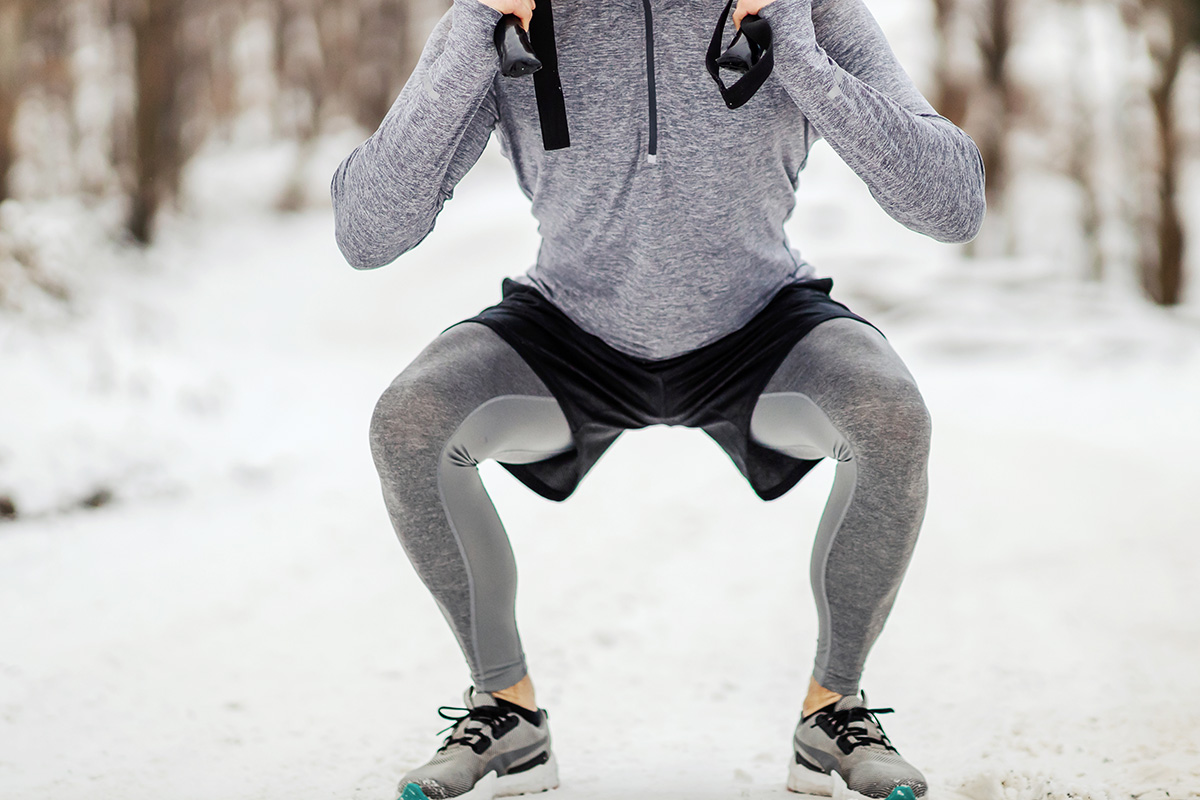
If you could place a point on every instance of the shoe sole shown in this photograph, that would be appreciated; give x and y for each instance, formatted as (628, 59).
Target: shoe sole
(541, 778)
(803, 780)
(806, 781)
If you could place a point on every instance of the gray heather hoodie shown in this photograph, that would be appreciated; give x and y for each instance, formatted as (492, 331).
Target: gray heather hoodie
(662, 223)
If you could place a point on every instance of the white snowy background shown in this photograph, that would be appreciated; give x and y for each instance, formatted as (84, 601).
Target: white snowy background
(237, 621)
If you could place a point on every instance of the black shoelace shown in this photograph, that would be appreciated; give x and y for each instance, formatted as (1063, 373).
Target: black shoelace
(498, 721)
(847, 727)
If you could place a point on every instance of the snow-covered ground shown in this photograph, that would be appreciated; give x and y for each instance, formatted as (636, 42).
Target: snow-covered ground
(239, 621)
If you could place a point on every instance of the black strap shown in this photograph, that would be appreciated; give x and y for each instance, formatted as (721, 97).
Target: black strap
(552, 109)
(758, 31)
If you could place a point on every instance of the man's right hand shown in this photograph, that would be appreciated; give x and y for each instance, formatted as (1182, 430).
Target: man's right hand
(523, 9)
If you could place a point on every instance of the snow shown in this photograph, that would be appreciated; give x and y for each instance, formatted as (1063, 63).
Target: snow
(239, 622)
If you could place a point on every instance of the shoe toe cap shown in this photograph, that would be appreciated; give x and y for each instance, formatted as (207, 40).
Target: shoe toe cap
(879, 778)
(417, 788)
(411, 790)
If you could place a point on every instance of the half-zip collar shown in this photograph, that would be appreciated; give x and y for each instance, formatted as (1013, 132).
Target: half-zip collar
(652, 147)
(551, 106)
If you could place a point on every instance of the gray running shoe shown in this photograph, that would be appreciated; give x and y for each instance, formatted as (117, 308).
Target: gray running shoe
(842, 750)
(492, 751)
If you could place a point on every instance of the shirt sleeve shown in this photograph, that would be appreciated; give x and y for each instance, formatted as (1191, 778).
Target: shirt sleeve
(389, 190)
(839, 69)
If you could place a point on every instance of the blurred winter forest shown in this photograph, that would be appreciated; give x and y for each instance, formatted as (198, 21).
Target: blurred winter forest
(1087, 112)
(197, 568)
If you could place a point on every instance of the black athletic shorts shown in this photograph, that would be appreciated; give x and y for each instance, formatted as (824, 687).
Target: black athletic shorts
(603, 391)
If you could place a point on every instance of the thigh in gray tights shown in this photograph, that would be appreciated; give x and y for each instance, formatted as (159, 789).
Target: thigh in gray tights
(841, 393)
(467, 397)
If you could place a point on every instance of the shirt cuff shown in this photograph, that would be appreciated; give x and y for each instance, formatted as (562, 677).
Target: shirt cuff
(794, 40)
(473, 32)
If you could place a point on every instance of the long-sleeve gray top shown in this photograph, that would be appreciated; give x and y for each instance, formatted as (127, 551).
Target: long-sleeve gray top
(662, 223)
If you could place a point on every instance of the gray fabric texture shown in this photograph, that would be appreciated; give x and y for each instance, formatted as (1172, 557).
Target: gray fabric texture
(842, 392)
(467, 397)
(659, 255)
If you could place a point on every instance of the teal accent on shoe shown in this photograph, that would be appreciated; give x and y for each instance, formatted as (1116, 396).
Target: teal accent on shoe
(899, 793)
(413, 792)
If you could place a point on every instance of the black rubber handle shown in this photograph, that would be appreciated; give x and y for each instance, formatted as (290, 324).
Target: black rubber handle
(516, 53)
(743, 53)
(753, 58)
(517, 57)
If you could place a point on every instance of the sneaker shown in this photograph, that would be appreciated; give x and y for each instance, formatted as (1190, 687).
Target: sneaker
(842, 750)
(492, 751)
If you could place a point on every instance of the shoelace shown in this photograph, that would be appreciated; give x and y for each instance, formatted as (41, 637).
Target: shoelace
(498, 721)
(848, 729)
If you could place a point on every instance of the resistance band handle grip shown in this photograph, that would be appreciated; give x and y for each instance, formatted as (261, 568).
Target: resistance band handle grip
(512, 44)
(744, 52)
(751, 54)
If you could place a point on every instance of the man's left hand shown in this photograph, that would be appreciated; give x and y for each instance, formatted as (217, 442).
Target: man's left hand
(746, 8)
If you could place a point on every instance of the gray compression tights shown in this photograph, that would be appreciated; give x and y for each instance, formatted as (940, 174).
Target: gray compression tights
(841, 393)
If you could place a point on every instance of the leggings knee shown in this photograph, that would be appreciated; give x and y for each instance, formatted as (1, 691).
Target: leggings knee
(909, 418)
(892, 420)
(405, 424)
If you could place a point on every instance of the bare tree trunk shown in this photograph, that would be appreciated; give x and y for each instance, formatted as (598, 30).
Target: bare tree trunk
(995, 42)
(221, 71)
(304, 71)
(1162, 274)
(35, 51)
(12, 25)
(157, 64)
(1082, 152)
(387, 59)
(952, 91)
(1162, 271)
